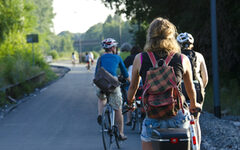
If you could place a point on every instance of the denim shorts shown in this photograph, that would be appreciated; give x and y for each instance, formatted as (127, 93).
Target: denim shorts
(179, 121)
(115, 98)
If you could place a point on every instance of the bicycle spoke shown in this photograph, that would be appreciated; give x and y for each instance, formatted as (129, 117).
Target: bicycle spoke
(134, 120)
(116, 134)
(107, 132)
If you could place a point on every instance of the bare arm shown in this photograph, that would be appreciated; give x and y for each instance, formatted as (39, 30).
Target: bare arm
(204, 73)
(135, 79)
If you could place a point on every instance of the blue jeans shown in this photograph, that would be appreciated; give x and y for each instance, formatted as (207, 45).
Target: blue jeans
(179, 121)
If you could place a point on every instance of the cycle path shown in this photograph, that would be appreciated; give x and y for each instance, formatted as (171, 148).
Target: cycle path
(61, 116)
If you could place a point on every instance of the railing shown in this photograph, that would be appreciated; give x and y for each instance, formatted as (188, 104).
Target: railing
(9, 90)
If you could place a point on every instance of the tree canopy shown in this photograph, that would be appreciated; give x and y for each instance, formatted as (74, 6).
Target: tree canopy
(193, 17)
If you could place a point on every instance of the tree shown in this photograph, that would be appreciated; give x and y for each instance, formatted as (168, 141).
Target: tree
(14, 15)
(193, 17)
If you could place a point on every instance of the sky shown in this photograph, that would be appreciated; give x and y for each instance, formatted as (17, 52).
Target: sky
(77, 16)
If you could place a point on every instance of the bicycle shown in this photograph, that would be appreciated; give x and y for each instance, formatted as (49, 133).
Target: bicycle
(88, 65)
(110, 131)
(176, 138)
(138, 115)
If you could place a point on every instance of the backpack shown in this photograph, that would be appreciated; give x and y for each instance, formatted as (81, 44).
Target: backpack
(161, 97)
(191, 54)
(105, 80)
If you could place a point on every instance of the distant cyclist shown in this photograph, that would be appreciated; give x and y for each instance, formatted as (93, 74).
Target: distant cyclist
(110, 61)
(73, 58)
(199, 70)
(88, 60)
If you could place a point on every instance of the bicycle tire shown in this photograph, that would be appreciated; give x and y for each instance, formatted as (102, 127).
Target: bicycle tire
(139, 120)
(107, 130)
(134, 120)
(116, 134)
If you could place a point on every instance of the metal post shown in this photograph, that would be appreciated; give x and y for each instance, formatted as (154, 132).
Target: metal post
(80, 45)
(217, 107)
(33, 54)
(120, 33)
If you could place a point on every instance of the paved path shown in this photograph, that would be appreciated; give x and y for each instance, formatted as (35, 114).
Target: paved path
(61, 116)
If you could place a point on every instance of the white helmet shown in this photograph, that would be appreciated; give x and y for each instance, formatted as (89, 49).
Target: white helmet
(185, 38)
(108, 43)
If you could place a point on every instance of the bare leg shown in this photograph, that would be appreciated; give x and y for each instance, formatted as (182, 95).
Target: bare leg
(101, 104)
(119, 119)
(147, 146)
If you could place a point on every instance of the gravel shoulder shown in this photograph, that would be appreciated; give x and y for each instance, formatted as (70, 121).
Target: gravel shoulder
(220, 134)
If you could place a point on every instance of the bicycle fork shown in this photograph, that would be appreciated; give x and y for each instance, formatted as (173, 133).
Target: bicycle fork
(194, 141)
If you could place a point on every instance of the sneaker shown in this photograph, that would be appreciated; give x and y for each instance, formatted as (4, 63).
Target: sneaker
(99, 119)
(122, 138)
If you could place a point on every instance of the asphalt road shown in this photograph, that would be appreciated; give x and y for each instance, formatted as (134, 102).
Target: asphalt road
(61, 116)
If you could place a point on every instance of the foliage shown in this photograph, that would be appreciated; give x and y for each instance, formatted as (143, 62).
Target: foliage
(124, 55)
(192, 17)
(95, 54)
(113, 27)
(229, 97)
(18, 61)
(189, 16)
(54, 54)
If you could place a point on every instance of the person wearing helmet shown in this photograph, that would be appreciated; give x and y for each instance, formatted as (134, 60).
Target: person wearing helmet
(199, 70)
(110, 62)
(129, 64)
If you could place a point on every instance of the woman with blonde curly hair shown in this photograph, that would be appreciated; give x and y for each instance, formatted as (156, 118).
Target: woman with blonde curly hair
(161, 42)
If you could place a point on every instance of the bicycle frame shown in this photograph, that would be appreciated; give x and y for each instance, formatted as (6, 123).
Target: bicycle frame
(109, 129)
(192, 128)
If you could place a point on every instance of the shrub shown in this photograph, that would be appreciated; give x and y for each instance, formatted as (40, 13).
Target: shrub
(95, 54)
(54, 54)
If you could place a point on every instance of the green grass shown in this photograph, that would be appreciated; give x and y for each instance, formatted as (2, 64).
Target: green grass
(15, 69)
(229, 96)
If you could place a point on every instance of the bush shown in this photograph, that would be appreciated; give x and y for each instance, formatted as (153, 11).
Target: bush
(229, 97)
(95, 54)
(54, 54)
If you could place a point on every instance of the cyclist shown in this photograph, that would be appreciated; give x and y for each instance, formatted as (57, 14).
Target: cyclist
(88, 60)
(199, 69)
(128, 63)
(73, 58)
(161, 42)
(110, 61)
(91, 57)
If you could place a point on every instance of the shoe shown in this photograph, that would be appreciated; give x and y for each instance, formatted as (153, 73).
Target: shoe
(128, 123)
(99, 119)
(122, 138)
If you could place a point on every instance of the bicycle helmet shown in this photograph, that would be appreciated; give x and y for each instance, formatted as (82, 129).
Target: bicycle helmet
(108, 43)
(185, 37)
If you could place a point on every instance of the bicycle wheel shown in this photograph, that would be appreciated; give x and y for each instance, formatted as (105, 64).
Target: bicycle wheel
(134, 119)
(139, 120)
(116, 134)
(107, 133)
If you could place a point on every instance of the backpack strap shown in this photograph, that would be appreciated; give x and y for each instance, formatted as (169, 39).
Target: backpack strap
(169, 58)
(152, 58)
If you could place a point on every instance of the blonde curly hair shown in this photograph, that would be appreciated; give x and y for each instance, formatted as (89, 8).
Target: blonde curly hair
(161, 37)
